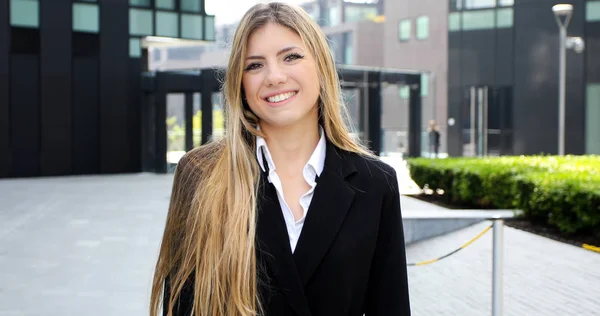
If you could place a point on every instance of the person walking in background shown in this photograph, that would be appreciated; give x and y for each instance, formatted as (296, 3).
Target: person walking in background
(434, 139)
(287, 215)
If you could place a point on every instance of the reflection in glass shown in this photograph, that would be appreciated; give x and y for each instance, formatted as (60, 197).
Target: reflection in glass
(592, 11)
(218, 118)
(175, 127)
(190, 5)
(165, 4)
(504, 18)
(197, 120)
(135, 47)
(394, 120)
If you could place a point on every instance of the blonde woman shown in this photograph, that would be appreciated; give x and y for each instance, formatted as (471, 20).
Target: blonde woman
(287, 215)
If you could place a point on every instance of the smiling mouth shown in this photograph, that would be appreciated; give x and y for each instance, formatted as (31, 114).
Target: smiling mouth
(281, 97)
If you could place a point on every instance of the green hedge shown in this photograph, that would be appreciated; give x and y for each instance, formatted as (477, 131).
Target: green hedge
(560, 191)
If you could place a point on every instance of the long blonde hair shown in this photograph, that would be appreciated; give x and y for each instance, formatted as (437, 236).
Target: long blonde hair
(211, 224)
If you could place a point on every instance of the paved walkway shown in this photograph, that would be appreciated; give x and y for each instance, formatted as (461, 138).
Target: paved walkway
(87, 246)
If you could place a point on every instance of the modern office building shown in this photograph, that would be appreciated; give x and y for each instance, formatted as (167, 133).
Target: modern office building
(503, 78)
(416, 37)
(70, 80)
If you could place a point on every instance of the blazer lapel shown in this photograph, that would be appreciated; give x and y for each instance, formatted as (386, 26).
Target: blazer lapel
(331, 201)
(274, 247)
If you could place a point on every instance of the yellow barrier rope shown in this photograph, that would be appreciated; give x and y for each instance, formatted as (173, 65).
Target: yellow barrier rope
(422, 263)
(591, 248)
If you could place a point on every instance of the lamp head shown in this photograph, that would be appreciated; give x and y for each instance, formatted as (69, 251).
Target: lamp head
(562, 10)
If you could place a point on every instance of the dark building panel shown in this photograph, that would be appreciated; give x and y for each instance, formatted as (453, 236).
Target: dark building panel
(55, 75)
(114, 95)
(535, 110)
(25, 115)
(592, 51)
(478, 57)
(24, 40)
(4, 88)
(454, 92)
(504, 57)
(455, 97)
(134, 115)
(454, 58)
(86, 136)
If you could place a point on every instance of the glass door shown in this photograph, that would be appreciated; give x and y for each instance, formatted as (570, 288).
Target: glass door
(475, 121)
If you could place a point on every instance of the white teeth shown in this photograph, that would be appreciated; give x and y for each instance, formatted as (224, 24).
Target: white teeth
(281, 97)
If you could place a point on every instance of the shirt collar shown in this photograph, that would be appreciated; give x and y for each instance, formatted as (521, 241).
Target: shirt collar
(316, 160)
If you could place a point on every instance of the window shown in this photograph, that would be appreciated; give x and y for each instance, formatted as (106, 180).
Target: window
(592, 12)
(404, 92)
(506, 3)
(358, 13)
(140, 22)
(167, 24)
(334, 16)
(592, 116)
(404, 30)
(348, 49)
(454, 21)
(191, 26)
(140, 3)
(424, 84)
(86, 18)
(422, 27)
(25, 13)
(210, 28)
(479, 4)
(190, 5)
(135, 47)
(165, 4)
(504, 18)
(478, 20)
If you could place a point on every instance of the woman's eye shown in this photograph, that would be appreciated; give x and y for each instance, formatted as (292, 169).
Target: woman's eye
(293, 56)
(253, 66)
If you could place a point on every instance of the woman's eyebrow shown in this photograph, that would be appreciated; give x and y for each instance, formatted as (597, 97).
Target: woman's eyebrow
(283, 51)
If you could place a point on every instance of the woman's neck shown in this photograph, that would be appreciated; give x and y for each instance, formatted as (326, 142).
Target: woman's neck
(292, 146)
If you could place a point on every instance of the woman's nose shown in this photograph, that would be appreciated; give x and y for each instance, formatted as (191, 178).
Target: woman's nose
(275, 76)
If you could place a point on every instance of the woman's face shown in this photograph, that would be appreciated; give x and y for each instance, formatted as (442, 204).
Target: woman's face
(280, 80)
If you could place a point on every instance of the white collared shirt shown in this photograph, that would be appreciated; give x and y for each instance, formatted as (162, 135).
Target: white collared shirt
(312, 168)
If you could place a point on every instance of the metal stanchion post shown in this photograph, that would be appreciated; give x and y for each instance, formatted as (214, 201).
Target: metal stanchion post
(497, 267)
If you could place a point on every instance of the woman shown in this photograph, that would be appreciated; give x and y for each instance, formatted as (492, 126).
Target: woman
(287, 215)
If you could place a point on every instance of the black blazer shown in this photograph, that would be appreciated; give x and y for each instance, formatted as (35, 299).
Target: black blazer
(350, 257)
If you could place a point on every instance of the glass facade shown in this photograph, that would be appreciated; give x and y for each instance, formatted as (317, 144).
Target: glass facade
(141, 22)
(135, 47)
(504, 18)
(478, 20)
(165, 4)
(592, 116)
(140, 3)
(25, 13)
(210, 28)
(86, 17)
(190, 5)
(167, 24)
(191, 26)
(592, 11)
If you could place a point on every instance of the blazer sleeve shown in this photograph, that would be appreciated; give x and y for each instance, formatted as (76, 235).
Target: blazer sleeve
(387, 293)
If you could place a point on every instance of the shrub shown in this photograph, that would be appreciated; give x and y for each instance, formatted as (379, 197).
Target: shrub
(560, 191)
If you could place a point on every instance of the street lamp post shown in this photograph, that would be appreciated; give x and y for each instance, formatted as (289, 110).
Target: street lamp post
(563, 13)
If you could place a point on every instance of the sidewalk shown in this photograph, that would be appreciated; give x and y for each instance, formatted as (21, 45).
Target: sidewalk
(87, 246)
